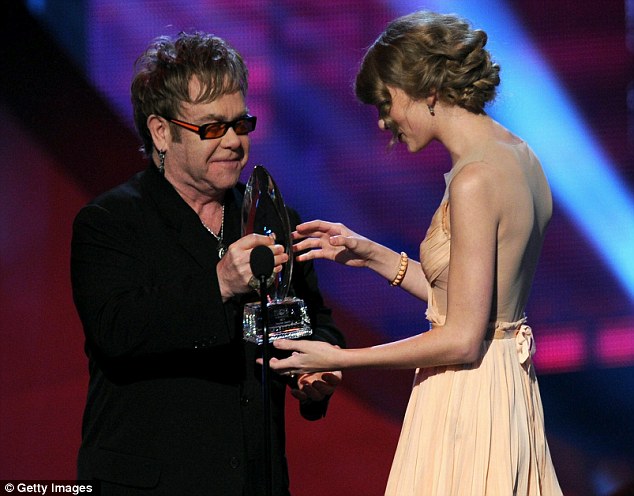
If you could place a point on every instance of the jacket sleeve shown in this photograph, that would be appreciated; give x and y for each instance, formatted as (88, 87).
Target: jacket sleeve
(132, 299)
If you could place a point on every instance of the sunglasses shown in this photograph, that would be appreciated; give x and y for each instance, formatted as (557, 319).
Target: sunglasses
(242, 125)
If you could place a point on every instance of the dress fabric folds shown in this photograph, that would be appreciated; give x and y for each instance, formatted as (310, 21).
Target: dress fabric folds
(475, 429)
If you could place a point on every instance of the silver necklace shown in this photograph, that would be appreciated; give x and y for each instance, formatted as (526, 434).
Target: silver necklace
(222, 249)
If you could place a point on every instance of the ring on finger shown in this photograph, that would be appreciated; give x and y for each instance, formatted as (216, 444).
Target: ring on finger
(254, 282)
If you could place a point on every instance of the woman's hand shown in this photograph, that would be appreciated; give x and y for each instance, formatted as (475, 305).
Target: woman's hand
(332, 241)
(307, 357)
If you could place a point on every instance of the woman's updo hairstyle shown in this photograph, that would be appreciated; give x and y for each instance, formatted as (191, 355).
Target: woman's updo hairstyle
(425, 53)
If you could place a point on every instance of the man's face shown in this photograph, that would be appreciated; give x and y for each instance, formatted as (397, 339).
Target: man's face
(208, 167)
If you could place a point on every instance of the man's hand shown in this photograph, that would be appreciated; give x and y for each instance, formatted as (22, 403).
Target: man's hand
(234, 269)
(316, 386)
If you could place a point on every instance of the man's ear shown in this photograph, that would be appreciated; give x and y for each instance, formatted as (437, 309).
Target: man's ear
(159, 130)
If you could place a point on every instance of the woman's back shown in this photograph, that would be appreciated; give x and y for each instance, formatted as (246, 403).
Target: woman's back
(523, 204)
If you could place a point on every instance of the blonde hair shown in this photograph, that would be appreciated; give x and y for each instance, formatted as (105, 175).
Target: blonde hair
(425, 54)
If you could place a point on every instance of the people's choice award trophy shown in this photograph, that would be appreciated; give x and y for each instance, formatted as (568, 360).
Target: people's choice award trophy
(264, 212)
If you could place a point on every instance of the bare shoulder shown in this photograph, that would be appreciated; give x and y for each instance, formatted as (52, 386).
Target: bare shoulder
(476, 179)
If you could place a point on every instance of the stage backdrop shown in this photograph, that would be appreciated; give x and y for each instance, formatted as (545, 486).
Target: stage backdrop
(568, 88)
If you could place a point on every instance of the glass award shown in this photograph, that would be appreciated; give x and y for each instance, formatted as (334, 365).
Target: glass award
(264, 212)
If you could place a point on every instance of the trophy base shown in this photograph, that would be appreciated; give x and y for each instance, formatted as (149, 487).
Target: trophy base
(287, 319)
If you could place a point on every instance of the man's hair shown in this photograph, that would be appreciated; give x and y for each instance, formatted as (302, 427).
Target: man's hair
(164, 70)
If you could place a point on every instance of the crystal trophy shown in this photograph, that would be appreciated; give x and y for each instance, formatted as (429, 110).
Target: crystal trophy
(264, 212)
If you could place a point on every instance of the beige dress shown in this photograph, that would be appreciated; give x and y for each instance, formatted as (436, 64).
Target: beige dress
(476, 429)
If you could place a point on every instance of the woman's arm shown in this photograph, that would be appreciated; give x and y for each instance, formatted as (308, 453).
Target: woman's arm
(475, 218)
(334, 241)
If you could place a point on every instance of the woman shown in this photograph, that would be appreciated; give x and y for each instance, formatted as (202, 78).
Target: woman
(474, 422)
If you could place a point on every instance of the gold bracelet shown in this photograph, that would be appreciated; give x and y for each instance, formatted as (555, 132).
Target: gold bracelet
(402, 268)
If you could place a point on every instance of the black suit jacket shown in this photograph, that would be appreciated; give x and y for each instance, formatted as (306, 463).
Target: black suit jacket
(174, 404)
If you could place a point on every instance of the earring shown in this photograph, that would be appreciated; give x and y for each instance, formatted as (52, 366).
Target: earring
(161, 165)
(431, 110)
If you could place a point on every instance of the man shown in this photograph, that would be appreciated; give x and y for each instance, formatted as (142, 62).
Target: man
(160, 276)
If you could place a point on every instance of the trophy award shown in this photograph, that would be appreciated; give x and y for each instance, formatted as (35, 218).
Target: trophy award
(264, 212)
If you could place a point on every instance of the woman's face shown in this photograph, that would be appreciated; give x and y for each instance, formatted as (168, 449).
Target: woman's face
(411, 119)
